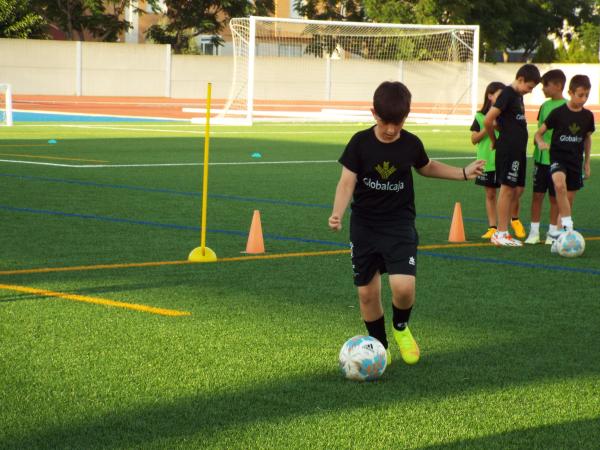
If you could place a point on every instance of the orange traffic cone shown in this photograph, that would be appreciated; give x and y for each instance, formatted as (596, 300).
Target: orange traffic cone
(457, 229)
(255, 237)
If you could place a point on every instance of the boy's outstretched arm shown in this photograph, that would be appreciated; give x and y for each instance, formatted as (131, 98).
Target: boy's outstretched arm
(587, 152)
(436, 169)
(539, 137)
(343, 194)
(488, 123)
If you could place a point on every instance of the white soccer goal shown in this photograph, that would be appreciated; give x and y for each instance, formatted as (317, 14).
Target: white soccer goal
(6, 117)
(290, 69)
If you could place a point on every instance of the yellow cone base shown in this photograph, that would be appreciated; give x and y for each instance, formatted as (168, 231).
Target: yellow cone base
(202, 254)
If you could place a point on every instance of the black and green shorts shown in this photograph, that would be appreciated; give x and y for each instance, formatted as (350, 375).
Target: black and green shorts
(487, 179)
(387, 248)
(571, 167)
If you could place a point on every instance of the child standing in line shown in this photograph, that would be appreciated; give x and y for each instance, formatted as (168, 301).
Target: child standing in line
(377, 174)
(571, 146)
(511, 147)
(480, 138)
(553, 85)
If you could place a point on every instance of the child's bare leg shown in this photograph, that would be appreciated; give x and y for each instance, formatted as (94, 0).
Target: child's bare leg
(490, 206)
(562, 199)
(505, 201)
(516, 204)
(403, 291)
(571, 197)
(553, 228)
(536, 206)
(536, 213)
(369, 297)
(553, 211)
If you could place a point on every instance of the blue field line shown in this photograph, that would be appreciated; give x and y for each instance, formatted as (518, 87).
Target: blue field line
(166, 191)
(286, 238)
(166, 225)
(506, 262)
(226, 197)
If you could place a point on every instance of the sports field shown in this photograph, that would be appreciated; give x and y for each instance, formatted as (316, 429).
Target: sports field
(110, 339)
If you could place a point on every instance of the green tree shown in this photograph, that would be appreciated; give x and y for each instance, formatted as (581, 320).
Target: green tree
(17, 20)
(103, 19)
(583, 46)
(391, 11)
(343, 10)
(186, 19)
(515, 24)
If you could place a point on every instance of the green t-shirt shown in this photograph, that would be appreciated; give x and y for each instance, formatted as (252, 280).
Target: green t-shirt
(543, 156)
(483, 146)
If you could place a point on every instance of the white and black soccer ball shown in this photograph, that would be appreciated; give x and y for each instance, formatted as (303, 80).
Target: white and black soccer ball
(570, 244)
(363, 358)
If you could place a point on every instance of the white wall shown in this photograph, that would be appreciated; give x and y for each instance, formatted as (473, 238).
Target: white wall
(107, 69)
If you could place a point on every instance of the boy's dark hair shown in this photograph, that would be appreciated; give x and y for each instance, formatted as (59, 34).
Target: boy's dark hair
(529, 72)
(580, 81)
(391, 101)
(556, 76)
(491, 88)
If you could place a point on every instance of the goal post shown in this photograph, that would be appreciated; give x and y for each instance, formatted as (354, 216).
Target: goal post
(294, 69)
(6, 116)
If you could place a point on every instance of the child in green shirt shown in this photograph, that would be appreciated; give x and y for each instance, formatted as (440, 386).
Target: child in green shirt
(480, 138)
(553, 84)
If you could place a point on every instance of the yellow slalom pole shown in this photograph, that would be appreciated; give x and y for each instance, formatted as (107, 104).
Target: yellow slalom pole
(203, 253)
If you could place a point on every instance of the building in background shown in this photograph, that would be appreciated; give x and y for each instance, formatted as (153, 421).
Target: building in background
(141, 23)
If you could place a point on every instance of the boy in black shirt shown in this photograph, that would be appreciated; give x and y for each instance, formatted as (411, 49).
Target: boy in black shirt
(572, 127)
(511, 147)
(376, 171)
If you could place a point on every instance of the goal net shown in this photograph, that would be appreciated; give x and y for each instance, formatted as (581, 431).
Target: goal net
(5, 105)
(290, 69)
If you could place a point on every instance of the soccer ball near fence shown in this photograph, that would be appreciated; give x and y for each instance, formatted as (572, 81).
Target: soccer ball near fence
(570, 244)
(363, 358)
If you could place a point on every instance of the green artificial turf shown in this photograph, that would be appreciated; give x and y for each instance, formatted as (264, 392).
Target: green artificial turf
(509, 337)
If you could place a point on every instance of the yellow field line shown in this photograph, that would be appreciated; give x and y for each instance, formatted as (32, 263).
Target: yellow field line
(95, 300)
(230, 259)
(94, 267)
(52, 157)
(24, 145)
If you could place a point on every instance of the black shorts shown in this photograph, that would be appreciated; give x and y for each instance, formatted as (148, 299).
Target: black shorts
(572, 169)
(510, 168)
(542, 180)
(384, 248)
(487, 179)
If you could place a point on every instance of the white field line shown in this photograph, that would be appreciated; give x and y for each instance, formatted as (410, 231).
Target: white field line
(199, 131)
(240, 163)
(190, 125)
(102, 166)
(213, 132)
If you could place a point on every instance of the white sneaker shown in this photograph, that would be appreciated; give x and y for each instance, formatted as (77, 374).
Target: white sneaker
(505, 241)
(554, 248)
(533, 238)
(551, 237)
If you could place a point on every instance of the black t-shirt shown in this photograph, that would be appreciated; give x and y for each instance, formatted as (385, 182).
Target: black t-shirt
(511, 121)
(384, 190)
(570, 129)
